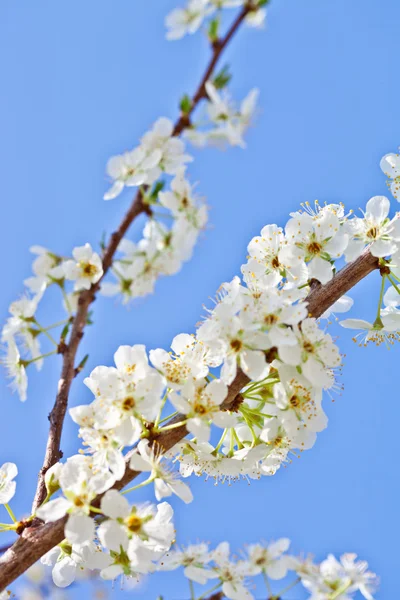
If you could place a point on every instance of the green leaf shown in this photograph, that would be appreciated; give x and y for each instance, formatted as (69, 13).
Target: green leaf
(158, 187)
(213, 30)
(185, 104)
(222, 79)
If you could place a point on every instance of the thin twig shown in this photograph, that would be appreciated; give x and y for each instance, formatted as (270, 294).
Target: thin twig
(36, 541)
(53, 452)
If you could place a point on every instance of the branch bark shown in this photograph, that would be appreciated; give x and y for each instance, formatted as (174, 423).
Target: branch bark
(53, 452)
(36, 541)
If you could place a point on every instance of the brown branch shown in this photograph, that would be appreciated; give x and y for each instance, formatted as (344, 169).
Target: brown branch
(53, 452)
(36, 541)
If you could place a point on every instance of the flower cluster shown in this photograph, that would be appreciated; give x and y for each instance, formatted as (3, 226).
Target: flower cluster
(122, 540)
(235, 577)
(223, 123)
(162, 250)
(188, 20)
(23, 332)
(259, 328)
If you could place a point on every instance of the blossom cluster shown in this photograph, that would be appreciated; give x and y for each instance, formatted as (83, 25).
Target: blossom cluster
(235, 577)
(23, 332)
(116, 538)
(222, 123)
(188, 20)
(259, 328)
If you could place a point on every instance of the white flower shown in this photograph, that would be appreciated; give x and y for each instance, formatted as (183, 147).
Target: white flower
(22, 324)
(375, 229)
(298, 401)
(8, 471)
(186, 362)
(390, 165)
(315, 352)
(47, 268)
(124, 395)
(334, 576)
(228, 122)
(86, 269)
(231, 574)
(193, 558)
(80, 486)
(166, 482)
(201, 403)
(385, 330)
(269, 559)
(256, 18)
(131, 169)
(160, 138)
(16, 368)
(151, 524)
(237, 345)
(273, 253)
(67, 559)
(181, 202)
(182, 21)
(319, 239)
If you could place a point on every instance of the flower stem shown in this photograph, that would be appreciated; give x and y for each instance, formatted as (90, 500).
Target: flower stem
(10, 512)
(267, 583)
(163, 401)
(340, 591)
(173, 426)
(46, 333)
(210, 591)
(289, 587)
(32, 360)
(192, 595)
(168, 418)
(139, 485)
(378, 314)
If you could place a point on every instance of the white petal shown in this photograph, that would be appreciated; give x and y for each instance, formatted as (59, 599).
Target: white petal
(7, 492)
(199, 429)
(64, 572)
(114, 505)
(183, 491)
(391, 297)
(53, 510)
(138, 463)
(254, 364)
(79, 529)
(355, 324)
(114, 191)
(112, 536)
(277, 570)
(378, 208)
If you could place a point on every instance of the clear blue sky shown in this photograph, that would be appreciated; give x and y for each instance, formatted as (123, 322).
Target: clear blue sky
(82, 81)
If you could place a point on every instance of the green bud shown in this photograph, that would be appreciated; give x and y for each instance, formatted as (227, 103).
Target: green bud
(82, 364)
(185, 104)
(158, 187)
(222, 79)
(213, 30)
(65, 331)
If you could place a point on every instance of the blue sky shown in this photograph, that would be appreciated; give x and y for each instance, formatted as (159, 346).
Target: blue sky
(82, 81)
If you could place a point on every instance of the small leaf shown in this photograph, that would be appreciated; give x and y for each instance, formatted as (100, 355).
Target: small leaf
(222, 79)
(213, 30)
(185, 104)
